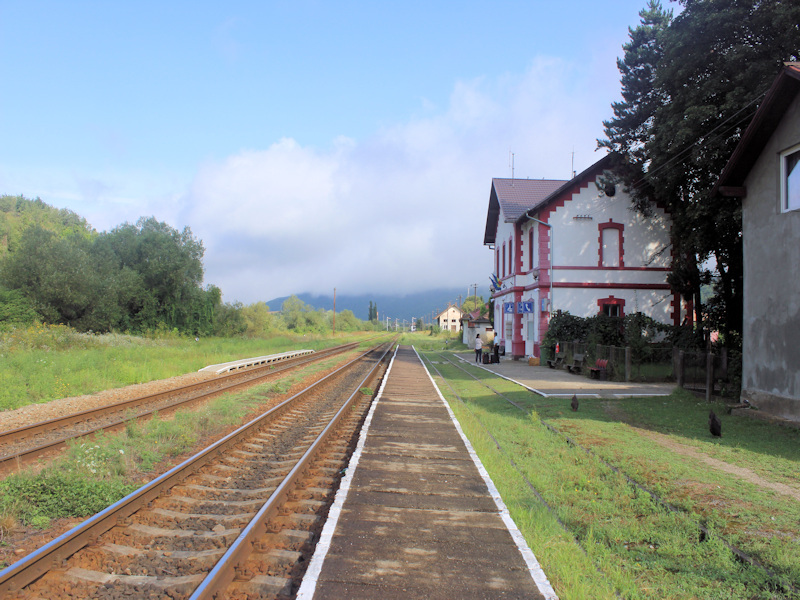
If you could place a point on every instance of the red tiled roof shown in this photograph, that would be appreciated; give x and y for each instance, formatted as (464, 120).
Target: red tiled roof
(514, 197)
(518, 195)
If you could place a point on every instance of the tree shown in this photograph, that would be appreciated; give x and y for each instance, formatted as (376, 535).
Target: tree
(689, 91)
(472, 303)
(164, 274)
(719, 59)
(629, 132)
(59, 277)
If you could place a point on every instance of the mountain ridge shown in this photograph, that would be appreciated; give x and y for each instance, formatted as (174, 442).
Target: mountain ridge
(426, 305)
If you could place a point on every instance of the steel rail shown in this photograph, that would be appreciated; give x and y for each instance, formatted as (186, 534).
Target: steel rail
(63, 421)
(52, 554)
(9, 461)
(224, 571)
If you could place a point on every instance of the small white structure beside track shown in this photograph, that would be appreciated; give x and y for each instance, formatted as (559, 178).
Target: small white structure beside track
(252, 362)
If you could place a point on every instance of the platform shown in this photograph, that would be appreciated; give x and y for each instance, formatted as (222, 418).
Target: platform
(417, 516)
(252, 362)
(547, 382)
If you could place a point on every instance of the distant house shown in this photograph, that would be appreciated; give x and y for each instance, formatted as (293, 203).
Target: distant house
(764, 171)
(474, 324)
(572, 246)
(450, 318)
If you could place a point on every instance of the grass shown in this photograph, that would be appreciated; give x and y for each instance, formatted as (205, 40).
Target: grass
(44, 362)
(617, 538)
(95, 473)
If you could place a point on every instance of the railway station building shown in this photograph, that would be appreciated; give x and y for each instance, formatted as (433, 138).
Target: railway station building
(576, 246)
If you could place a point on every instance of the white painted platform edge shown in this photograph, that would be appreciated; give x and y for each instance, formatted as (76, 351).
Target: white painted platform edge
(249, 362)
(309, 583)
(535, 569)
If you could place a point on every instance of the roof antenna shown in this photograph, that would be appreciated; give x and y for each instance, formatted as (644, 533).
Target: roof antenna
(573, 162)
(511, 162)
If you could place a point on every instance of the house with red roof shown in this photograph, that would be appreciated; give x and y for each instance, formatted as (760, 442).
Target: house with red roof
(764, 172)
(575, 246)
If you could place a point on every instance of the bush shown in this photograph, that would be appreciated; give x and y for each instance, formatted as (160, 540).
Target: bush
(35, 499)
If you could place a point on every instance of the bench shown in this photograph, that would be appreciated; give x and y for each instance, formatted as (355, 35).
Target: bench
(577, 363)
(557, 361)
(598, 371)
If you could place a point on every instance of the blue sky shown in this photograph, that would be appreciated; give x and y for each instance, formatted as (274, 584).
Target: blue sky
(310, 145)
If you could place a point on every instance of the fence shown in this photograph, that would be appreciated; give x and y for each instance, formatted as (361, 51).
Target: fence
(701, 372)
(650, 363)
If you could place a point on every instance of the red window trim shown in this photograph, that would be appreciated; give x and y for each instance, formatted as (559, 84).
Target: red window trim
(614, 301)
(621, 232)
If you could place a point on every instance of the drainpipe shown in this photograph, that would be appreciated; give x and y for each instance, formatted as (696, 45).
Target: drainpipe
(552, 255)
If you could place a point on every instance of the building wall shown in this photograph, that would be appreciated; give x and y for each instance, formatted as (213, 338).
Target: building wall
(450, 319)
(631, 272)
(771, 327)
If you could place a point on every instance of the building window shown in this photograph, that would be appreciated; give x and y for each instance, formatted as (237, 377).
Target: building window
(530, 248)
(504, 261)
(790, 179)
(611, 252)
(510, 261)
(611, 307)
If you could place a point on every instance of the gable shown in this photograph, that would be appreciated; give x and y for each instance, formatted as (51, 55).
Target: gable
(512, 198)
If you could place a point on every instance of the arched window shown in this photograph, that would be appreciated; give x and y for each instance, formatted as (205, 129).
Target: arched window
(611, 251)
(530, 248)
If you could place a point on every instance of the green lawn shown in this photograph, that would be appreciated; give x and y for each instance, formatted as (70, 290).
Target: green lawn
(615, 537)
(41, 363)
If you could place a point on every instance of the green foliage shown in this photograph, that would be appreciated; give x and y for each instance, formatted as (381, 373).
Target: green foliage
(55, 494)
(373, 311)
(15, 308)
(18, 213)
(689, 89)
(474, 302)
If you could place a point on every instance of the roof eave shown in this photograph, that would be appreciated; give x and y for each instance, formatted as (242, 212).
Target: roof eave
(780, 95)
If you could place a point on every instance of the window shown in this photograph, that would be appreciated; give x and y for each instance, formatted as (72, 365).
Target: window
(611, 307)
(790, 179)
(504, 260)
(611, 251)
(530, 248)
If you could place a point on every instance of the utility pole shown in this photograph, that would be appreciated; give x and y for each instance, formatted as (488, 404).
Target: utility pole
(334, 312)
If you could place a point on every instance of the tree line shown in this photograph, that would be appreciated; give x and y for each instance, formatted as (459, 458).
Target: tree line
(690, 86)
(142, 277)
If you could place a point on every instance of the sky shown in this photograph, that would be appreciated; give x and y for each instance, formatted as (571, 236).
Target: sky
(310, 145)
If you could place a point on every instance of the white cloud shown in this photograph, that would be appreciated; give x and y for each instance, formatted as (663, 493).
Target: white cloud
(401, 211)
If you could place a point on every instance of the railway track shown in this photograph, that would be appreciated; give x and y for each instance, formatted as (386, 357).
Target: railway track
(23, 445)
(236, 520)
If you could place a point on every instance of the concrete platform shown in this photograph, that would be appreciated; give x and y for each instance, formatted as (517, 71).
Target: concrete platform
(244, 363)
(417, 516)
(549, 382)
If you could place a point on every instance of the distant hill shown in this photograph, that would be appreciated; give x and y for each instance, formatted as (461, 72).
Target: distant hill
(408, 307)
(17, 213)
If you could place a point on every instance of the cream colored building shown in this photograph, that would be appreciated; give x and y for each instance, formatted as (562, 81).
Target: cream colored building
(450, 319)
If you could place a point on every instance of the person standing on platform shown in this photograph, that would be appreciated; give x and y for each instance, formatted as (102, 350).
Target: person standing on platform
(478, 348)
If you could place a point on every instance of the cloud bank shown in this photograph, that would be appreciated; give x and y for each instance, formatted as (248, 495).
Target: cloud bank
(401, 211)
